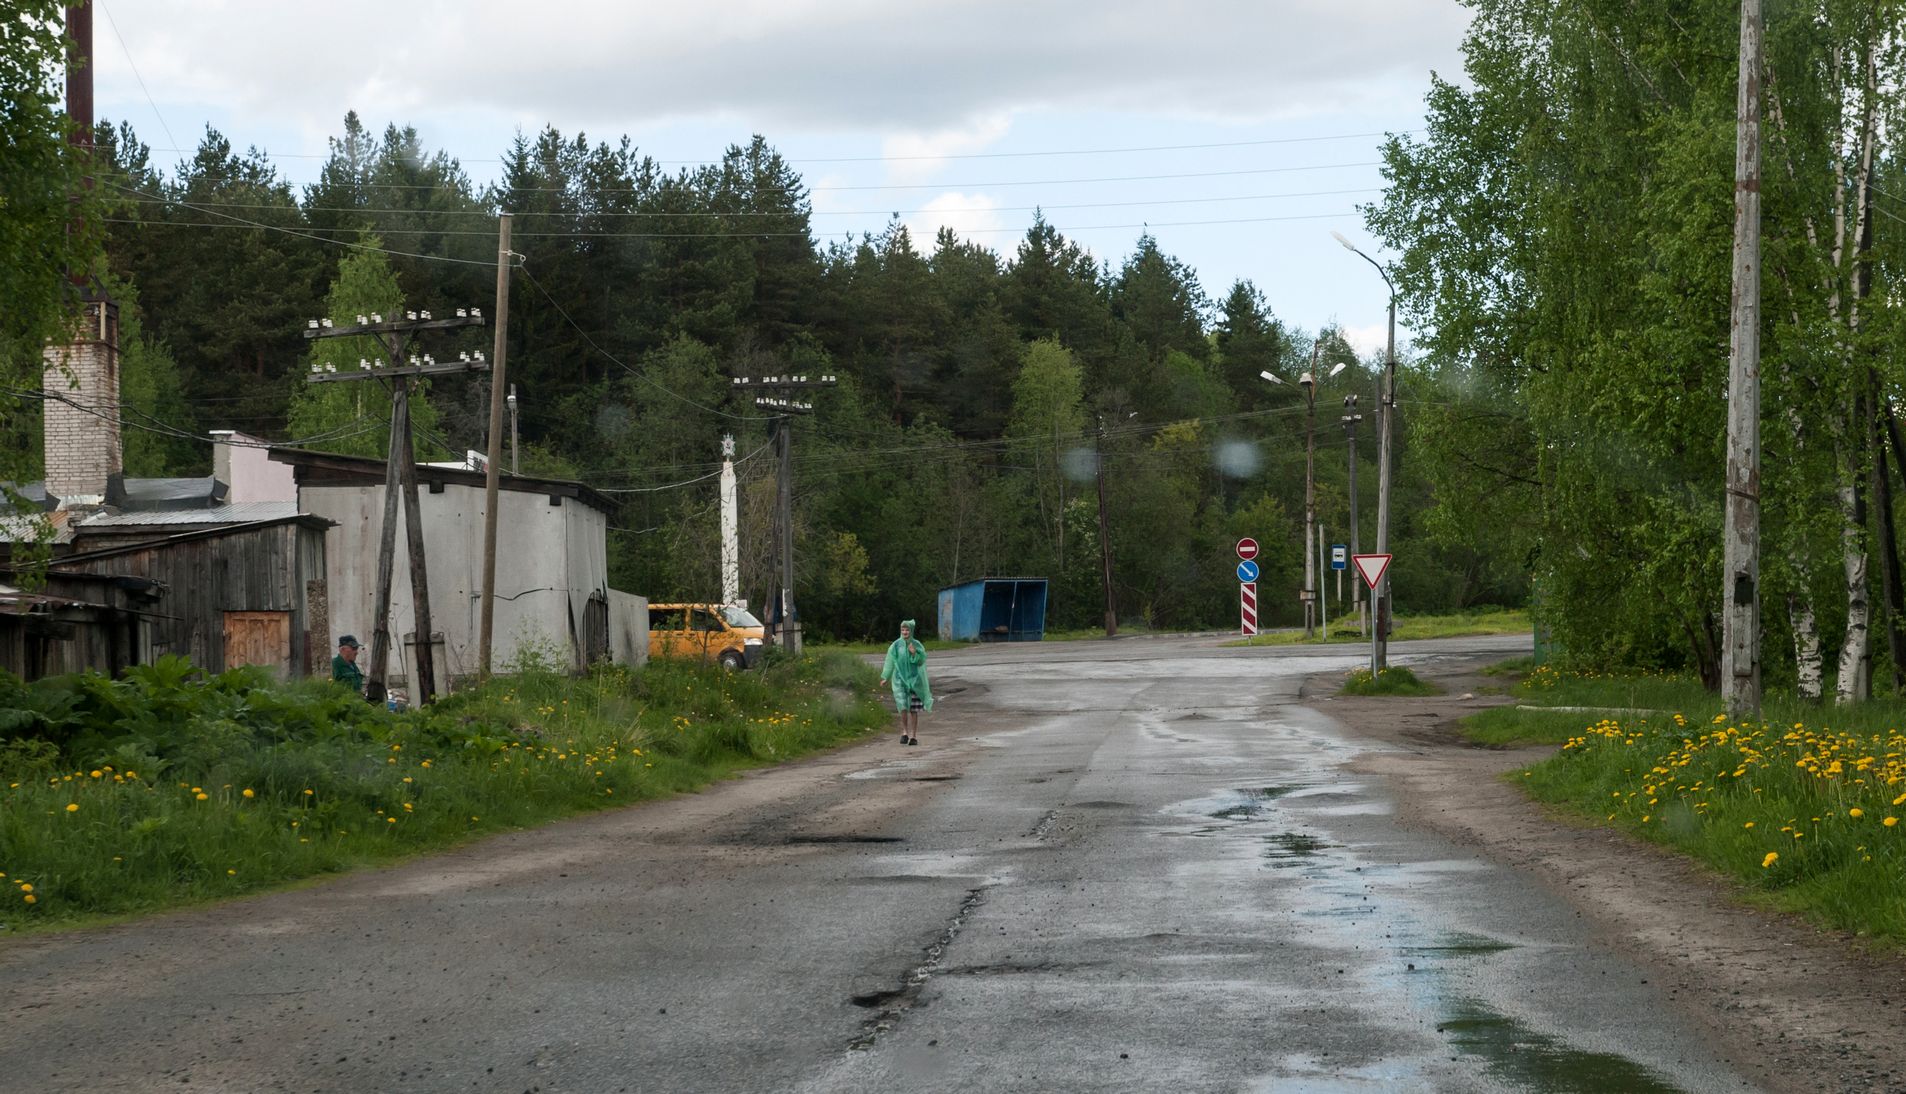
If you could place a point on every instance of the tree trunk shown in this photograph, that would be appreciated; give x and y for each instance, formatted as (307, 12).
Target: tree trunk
(1894, 596)
(1855, 652)
(1808, 669)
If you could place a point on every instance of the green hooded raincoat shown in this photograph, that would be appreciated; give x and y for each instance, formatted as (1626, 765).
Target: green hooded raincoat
(906, 666)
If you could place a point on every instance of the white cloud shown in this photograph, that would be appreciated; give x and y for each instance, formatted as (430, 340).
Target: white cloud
(913, 156)
(1369, 341)
(933, 67)
(970, 215)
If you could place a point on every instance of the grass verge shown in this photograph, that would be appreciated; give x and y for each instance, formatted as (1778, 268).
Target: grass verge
(167, 787)
(1395, 680)
(1408, 628)
(1807, 807)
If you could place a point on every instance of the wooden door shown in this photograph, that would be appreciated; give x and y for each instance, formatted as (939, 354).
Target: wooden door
(258, 638)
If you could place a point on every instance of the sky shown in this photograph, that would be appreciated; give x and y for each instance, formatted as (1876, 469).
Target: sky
(1239, 133)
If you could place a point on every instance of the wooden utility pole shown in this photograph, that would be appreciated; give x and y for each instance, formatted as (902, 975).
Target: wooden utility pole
(1740, 611)
(400, 472)
(492, 464)
(785, 406)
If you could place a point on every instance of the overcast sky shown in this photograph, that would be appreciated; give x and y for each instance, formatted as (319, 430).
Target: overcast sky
(966, 114)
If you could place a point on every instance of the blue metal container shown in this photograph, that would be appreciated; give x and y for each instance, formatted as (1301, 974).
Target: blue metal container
(994, 609)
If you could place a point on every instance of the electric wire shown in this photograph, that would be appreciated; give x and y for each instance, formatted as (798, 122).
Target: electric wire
(618, 362)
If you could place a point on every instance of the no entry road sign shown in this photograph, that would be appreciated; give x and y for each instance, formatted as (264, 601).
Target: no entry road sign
(1247, 548)
(1372, 567)
(1247, 571)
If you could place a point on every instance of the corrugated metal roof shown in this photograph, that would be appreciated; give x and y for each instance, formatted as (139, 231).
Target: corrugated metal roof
(238, 513)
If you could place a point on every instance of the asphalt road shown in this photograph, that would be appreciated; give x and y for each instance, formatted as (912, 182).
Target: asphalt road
(1110, 866)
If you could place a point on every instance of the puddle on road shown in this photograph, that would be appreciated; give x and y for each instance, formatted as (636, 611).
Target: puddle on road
(1527, 1060)
(1288, 849)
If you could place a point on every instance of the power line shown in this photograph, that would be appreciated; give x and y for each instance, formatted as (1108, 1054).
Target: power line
(130, 63)
(919, 158)
(618, 362)
(166, 429)
(802, 187)
(722, 235)
(715, 214)
(242, 221)
(678, 485)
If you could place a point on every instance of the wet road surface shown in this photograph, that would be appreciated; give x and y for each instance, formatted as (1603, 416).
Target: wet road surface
(1111, 866)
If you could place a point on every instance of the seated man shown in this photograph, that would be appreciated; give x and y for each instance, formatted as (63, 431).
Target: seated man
(344, 668)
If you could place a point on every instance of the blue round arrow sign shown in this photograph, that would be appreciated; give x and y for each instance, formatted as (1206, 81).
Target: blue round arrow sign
(1247, 571)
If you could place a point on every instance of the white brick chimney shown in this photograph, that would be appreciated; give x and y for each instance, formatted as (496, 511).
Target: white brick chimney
(81, 380)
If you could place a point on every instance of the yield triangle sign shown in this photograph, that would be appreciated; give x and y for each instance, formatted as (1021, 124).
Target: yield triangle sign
(1371, 567)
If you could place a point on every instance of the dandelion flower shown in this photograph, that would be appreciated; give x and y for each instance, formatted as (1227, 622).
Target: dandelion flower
(1772, 857)
(1856, 814)
(201, 795)
(248, 793)
(72, 807)
(1890, 821)
(1749, 824)
(30, 899)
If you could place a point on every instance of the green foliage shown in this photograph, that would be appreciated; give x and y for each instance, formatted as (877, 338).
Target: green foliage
(1394, 680)
(168, 786)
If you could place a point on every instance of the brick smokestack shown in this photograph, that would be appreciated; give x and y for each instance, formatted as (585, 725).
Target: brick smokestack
(83, 459)
(81, 378)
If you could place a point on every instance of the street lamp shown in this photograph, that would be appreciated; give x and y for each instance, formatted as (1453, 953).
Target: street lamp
(1308, 381)
(1386, 411)
(1105, 533)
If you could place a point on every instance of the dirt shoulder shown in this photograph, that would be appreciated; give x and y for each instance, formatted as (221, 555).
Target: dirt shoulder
(1802, 1009)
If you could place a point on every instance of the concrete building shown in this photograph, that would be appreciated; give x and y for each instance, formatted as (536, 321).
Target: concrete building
(553, 601)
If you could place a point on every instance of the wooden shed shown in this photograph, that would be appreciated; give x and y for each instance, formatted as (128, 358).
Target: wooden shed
(246, 593)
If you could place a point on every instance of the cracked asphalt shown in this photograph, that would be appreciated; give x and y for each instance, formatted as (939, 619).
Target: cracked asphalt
(1136, 865)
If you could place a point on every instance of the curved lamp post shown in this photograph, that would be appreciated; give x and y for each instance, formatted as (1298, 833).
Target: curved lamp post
(1386, 410)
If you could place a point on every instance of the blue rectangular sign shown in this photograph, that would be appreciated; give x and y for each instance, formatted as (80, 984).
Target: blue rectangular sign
(1339, 557)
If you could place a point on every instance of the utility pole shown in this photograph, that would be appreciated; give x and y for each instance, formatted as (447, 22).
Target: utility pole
(1105, 535)
(1386, 411)
(785, 406)
(1309, 383)
(730, 527)
(491, 466)
(1350, 420)
(1740, 613)
(400, 471)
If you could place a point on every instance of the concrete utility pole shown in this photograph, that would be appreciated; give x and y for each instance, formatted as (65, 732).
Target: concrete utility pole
(730, 527)
(1740, 612)
(400, 471)
(1105, 534)
(785, 406)
(1350, 420)
(491, 467)
(1386, 411)
(1308, 381)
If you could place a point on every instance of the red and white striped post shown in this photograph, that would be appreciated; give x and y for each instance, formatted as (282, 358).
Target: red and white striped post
(1247, 590)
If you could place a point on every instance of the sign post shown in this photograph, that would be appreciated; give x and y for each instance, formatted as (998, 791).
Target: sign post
(1372, 569)
(1247, 586)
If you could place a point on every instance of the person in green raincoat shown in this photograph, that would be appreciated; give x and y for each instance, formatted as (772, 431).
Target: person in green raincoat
(906, 667)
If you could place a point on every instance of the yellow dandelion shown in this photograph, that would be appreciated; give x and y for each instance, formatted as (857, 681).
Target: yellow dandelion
(72, 807)
(1890, 821)
(201, 795)
(1772, 857)
(248, 793)
(1856, 813)
(30, 899)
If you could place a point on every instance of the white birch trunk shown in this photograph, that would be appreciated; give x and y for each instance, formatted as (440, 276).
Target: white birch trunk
(1809, 669)
(1855, 662)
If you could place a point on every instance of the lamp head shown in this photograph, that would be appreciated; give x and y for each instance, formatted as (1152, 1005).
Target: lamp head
(1338, 236)
(1335, 371)
(1272, 377)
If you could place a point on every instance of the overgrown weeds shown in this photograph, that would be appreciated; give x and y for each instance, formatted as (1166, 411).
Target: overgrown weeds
(1395, 680)
(169, 785)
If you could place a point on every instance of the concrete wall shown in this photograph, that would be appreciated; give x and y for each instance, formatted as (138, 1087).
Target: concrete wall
(628, 628)
(248, 471)
(550, 557)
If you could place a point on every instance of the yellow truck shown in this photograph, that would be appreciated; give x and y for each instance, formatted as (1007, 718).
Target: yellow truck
(710, 633)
